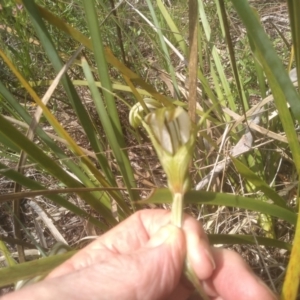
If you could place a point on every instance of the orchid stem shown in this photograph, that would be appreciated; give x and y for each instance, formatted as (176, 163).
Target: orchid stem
(177, 219)
(177, 209)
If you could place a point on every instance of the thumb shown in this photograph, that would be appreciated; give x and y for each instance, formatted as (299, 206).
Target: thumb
(162, 262)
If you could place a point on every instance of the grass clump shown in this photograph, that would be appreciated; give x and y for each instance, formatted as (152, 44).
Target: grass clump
(78, 139)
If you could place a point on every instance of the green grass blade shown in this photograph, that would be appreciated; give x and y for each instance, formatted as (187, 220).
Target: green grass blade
(108, 127)
(93, 25)
(167, 58)
(216, 58)
(273, 67)
(30, 194)
(3, 249)
(259, 183)
(225, 25)
(220, 95)
(73, 97)
(51, 166)
(115, 127)
(32, 269)
(230, 239)
(62, 132)
(241, 202)
(160, 196)
(34, 185)
(174, 29)
(45, 138)
(284, 92)
(291, 281)
(258, 67)
(125, 71)
(8, 143)
(294, 11)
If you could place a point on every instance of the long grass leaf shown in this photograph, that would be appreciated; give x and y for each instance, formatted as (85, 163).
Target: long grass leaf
(193, 58)
(93, 25)
(174, 29)
(3, 249)
(164, 48)
(240, 239)
(115, 134)
(30, 194)
(108, 126)
(273, 67)
(259, 183)
(51, 166)
(78, 36)
(294, 11)
(160, 196)
(62, 132)
(73, 97)
(45, 138)
(240, 89)
(34, 185)
(284, 92)
(32, 269)
(291, 281)
(216, 57)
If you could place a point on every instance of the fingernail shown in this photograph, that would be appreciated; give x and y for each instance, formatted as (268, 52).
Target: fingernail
(163, 235)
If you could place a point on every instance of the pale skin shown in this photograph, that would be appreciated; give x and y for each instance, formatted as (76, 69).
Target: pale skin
(142, 259)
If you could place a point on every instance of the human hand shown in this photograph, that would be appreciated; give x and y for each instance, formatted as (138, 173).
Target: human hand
(143, 258)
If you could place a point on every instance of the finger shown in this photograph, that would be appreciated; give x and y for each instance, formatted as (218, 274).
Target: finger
(134, 233)
(126, 237)
(199, 252)
(136, 230)
(233, 279)
(152, 272)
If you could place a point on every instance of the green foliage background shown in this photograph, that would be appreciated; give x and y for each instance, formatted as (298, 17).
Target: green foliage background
(127, 53)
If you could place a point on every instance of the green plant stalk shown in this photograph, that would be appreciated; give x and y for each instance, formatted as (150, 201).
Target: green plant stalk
(177, 209)
(192, 277)
(177, 220)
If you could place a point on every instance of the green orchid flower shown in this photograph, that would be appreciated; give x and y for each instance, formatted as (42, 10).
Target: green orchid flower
(172, 134)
